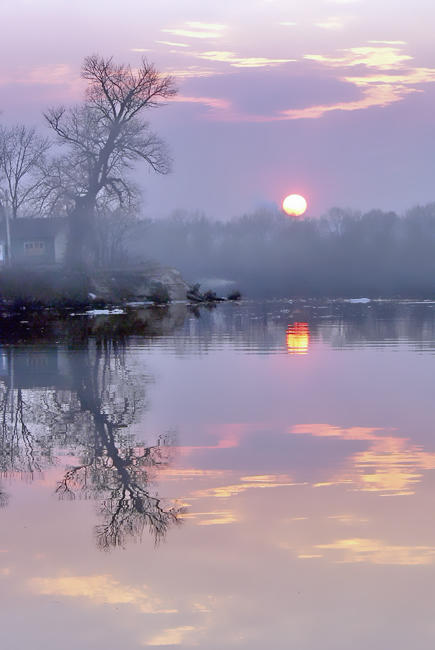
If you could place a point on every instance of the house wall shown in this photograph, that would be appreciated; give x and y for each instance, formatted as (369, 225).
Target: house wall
(35, 241)
(33, 251)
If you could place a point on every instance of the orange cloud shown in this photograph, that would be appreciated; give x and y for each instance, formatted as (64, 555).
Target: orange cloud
(197, 29)
(172, 44)
(100, 589)
(372, 56)
(375, 551)
(170, 636)
(214, 518)
(229, 436)
(210, 102)
(169, 473)
(240, 61)
(394, 80)
(52, 75)
(248, 483)
(374, 96)
(191, 72)
(329, 431)
(390, 466)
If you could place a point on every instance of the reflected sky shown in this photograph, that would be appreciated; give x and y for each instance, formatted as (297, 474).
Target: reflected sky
(302, 483)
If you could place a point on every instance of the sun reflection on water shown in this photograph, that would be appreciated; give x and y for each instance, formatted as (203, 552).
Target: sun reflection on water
(298, 338)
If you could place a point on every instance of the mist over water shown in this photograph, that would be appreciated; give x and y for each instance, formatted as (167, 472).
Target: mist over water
(267, 254)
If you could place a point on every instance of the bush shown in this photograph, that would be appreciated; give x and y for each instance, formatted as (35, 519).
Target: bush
(159, 294)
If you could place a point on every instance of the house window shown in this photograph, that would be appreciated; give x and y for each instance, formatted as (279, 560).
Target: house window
(34, 247)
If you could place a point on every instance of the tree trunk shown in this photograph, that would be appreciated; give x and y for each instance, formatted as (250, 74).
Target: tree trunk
(81, 250)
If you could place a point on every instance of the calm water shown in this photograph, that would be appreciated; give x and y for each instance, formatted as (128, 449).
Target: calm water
(255, 476)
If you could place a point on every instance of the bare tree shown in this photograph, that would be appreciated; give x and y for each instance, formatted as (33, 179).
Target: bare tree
(112, 229)
(91, 421)
(105, 137)
(22, 157)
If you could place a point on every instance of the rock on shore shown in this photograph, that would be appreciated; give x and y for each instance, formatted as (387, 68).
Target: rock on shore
(137, 284)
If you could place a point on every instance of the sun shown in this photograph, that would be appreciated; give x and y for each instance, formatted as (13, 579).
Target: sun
(294, 205)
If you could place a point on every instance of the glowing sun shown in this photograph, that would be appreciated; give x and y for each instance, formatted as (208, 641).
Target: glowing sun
(294, 205)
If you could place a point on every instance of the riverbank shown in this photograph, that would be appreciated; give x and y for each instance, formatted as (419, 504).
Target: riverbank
(61, 289)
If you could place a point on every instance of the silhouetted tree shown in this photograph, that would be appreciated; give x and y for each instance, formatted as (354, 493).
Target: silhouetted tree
(22, 158)
(91, 420)
(104, 136)
(116, 469)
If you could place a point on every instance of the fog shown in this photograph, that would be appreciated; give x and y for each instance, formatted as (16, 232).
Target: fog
(265, 254)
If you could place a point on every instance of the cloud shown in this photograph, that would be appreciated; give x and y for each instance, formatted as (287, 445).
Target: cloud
(281, 88)
(192, 72)
(197, 29)
(375, 75)
(375, 551)
(329, 431)
(401, 80)
(288, 24)
(374, 97)
(380, 57)
(348, 519)
(391, 466)
(393, 80)
(332, 23)
(189, 473)
(172, 44)
(170, 636)
(389, 42)
(229, 434)
(55, 74)
(381, 76)
(248, 483)
(210, 102)
(240, 61)
(213, 518)
(101, 590)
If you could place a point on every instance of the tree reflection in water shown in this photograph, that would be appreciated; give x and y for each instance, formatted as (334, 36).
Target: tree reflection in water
(87, 412)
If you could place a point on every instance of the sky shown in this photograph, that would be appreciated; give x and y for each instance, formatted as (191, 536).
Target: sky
(332, 99)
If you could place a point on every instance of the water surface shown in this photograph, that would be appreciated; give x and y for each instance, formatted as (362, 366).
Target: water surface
(252, 476)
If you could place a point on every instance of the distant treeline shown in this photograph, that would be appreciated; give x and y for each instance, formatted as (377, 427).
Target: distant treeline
(266, 254)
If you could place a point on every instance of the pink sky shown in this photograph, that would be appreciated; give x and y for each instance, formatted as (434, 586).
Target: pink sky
(329, 98)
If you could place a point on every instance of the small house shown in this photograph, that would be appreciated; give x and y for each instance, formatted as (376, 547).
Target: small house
(34, 241)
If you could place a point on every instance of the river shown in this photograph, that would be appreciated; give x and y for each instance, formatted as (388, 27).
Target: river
(258, 475)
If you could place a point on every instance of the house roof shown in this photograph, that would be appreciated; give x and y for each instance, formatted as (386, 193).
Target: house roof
(33, 227)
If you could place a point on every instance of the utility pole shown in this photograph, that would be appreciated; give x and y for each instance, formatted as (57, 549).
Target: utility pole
(4, 212)
(8, 238)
